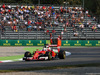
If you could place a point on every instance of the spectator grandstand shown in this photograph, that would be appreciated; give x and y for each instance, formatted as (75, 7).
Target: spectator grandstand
(37, 22)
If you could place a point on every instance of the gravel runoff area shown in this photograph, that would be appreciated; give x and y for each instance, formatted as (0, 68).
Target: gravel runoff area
(11, 51)
(69, 71)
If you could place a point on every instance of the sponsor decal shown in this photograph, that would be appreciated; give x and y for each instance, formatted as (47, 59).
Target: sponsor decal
(18, 43)
(98, 43)
(67, 44)
(29, 44)
(78, 44)
(7, 43)
(88, 43)
(40, 44)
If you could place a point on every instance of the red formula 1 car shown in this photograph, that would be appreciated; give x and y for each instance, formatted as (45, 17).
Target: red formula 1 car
(47, 53)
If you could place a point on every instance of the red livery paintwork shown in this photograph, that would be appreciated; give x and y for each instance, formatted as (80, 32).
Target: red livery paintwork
(47, 53)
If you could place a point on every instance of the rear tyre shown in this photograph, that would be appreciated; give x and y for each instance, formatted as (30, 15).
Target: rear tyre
(62, 54)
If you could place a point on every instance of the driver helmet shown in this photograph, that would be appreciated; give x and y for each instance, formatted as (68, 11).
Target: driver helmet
(47, 46)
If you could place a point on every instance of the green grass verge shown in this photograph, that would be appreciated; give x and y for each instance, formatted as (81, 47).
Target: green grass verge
(53, 67)
(31, 49)
(11, 57)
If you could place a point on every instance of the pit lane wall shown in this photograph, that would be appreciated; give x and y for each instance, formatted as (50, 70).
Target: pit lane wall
(42, 42)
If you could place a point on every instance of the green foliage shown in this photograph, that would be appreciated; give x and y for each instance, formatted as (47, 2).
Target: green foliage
(52, 1)
(74, 2)
(93, 6)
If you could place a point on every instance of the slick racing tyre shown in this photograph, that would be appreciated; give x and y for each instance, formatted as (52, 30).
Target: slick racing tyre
(27, 54)
(62, 54)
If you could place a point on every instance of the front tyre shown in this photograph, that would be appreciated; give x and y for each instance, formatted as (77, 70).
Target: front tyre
(27, 54)
(49, 55)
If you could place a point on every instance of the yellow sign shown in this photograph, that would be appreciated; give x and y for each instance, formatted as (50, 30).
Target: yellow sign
(77, 41)
(66, 44)
(88, 44)
(88, 41)
(78, 44)
(18, 43)
(29, 44)
(6, 44)
(40, 44)
(29, 41)
(40, 41)
(66, 41)
(6, 41)
(98, 43)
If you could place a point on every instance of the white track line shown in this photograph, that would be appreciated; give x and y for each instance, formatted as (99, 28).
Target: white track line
(5, 61)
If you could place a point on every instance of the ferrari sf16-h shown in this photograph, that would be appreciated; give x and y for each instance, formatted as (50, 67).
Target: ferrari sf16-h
(47, 53)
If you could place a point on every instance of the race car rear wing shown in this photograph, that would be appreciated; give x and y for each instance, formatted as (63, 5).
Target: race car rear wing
(58, 47)
(53, 46)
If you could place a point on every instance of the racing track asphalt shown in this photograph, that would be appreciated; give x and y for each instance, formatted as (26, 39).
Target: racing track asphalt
(78, 56)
